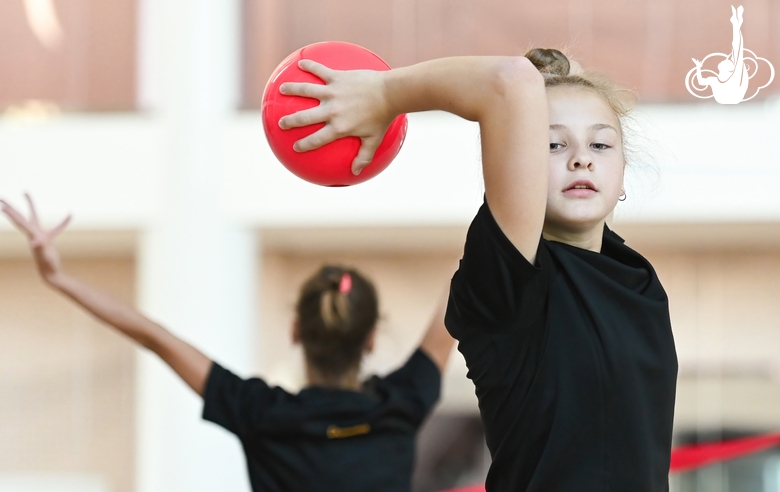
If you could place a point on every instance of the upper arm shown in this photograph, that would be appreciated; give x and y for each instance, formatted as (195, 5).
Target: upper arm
(514, 128)
(495, 285)
(189, 363)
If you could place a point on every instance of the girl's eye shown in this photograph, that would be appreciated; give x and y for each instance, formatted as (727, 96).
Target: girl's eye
(555, 146)
(600, 146)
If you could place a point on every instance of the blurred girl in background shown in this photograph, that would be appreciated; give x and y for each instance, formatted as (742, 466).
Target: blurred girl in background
(338, 433)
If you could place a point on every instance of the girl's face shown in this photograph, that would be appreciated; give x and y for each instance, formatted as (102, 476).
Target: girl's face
(586, 160)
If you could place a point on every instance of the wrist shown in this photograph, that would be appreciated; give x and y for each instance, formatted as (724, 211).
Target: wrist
(386, 81)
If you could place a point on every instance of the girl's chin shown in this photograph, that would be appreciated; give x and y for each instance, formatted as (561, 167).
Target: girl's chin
(577, 220)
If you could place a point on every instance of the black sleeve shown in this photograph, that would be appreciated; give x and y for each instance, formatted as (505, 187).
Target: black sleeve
(419, 381)
(232, 402)
(495, 287)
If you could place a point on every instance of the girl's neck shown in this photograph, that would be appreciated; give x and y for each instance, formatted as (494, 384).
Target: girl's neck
(347, 381)
(589, 239)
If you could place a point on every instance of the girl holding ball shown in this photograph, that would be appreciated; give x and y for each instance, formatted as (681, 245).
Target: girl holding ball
(564, 328)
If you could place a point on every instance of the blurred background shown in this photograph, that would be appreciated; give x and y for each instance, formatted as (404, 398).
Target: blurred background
(141, 117)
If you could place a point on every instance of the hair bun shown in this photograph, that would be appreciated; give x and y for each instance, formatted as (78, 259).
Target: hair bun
(549, 61)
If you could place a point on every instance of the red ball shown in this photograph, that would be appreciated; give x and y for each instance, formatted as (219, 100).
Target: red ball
(331, 164)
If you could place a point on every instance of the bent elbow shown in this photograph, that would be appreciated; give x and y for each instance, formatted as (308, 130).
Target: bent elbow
(517, 74)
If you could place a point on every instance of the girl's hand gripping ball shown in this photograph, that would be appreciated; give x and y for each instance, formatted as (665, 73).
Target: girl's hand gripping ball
(331, 164)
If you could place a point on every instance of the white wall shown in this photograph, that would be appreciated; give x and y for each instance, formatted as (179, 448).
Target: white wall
(717, 164)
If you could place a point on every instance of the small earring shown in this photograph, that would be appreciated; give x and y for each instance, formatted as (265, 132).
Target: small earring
(622, 196)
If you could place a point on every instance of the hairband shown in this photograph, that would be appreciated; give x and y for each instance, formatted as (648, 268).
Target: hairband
(346, 283)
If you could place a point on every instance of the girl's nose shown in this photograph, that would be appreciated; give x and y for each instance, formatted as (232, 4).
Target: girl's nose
(580, 159)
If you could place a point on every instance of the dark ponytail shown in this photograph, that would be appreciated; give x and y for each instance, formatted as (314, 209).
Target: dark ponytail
(337, 309)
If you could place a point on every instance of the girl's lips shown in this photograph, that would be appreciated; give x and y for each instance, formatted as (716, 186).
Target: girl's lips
(581, 188)
(581, 183)
(580, 192)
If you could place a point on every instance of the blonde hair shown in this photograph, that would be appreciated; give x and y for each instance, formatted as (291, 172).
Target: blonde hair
(556, 70)
(640, 151)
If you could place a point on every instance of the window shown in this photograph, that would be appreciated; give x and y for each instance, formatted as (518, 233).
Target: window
(71, 55)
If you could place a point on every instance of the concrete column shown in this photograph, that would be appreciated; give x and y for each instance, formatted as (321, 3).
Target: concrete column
(196, 269)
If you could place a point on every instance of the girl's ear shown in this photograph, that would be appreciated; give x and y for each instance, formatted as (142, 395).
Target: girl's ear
(296, 332)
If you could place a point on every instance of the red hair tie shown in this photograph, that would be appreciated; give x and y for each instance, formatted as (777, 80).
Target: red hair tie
(346, 283)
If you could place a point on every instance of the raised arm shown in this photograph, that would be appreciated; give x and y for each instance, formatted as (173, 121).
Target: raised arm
(437, 342)
(505, 95)
(189, 363)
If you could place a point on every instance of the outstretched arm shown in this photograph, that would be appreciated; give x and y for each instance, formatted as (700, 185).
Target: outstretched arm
(189, 363)
(437, 342)
(505, 95)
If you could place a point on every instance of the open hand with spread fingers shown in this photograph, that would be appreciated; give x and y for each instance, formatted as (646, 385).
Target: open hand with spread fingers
(46, 256)
(352, 103)
(188, 362)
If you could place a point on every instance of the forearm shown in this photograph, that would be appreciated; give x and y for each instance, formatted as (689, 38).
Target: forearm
(189, 363)
(107, 309)
(467, 86)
